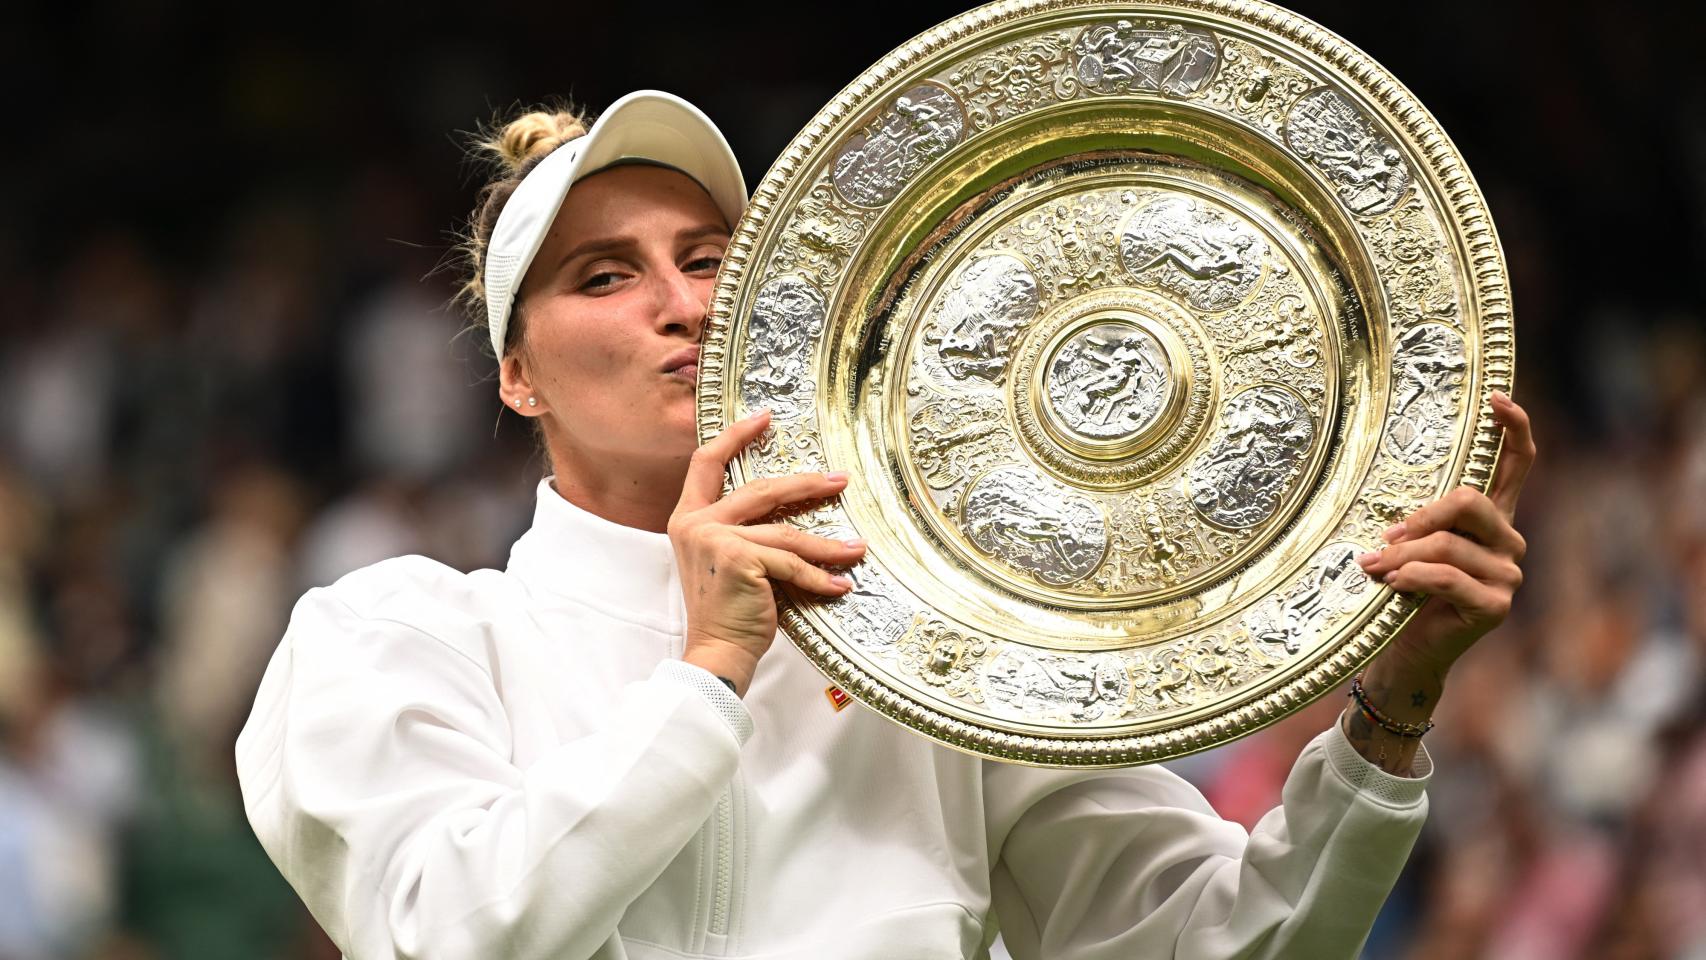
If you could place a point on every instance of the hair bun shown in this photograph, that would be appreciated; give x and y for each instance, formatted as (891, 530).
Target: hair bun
(534, 135)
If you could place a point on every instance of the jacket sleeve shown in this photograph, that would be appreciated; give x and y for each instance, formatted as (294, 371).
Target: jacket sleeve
(1135, 863)
(376, 771)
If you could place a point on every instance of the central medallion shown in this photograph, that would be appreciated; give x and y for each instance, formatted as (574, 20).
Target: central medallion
(1105, 386)
(1112, 387)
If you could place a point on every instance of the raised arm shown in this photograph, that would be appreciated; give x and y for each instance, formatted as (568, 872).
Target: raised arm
(1464, 553)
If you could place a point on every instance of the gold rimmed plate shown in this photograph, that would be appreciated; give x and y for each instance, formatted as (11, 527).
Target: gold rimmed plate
(1135, 324)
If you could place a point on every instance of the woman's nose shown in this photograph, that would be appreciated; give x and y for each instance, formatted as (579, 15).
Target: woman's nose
(683, 302)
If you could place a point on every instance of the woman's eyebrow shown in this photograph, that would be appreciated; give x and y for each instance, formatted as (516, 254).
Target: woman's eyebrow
(600, 245)
(625, 242)
(703, 232)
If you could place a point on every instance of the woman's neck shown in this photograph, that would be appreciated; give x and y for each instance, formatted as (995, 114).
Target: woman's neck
(634, 494)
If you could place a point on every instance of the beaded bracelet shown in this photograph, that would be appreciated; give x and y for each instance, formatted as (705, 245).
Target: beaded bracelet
(1395, 727)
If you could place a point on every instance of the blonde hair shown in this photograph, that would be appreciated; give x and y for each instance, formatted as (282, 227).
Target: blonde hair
(507, 151)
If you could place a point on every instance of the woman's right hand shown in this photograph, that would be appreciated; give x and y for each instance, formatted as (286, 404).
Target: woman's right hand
(727, 563)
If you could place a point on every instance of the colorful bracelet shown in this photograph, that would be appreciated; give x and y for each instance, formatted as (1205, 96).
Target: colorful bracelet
(1397, 728)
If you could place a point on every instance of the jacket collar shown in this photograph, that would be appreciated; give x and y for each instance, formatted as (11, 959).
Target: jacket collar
(622, 571)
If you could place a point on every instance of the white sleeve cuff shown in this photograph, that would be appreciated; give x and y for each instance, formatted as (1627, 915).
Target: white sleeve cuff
(720, 697)
(1365, 777)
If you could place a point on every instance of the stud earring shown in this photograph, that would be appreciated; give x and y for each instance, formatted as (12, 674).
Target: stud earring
(533, 401)
(518, 403)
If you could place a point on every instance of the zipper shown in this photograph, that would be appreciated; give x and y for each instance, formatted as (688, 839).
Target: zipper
(723, 867)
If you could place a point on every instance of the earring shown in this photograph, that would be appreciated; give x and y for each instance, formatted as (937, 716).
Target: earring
(533, 401)
(518, 403)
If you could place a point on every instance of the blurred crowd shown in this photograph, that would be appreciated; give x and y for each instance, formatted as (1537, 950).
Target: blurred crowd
(192, 434)
(181, 459)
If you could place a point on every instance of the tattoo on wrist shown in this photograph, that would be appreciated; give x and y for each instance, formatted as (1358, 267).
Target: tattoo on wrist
(1360, 729)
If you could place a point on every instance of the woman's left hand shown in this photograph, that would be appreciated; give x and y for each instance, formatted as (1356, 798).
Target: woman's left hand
(1462, 551)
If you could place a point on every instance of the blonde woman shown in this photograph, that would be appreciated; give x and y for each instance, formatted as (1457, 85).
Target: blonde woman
(601, 751)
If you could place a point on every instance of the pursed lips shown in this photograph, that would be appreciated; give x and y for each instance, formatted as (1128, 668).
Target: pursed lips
(684, 364)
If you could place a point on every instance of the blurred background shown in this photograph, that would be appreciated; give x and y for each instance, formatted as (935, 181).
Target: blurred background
(227, 374)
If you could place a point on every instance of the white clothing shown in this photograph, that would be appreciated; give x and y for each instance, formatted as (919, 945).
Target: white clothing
(517, 764)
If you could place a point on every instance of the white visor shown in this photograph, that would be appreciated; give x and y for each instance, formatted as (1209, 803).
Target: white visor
(647, 125)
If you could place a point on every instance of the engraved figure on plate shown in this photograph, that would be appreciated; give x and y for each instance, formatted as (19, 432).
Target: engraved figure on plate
(1109, 381)
(1156, 541)
(875, 618)
(1333, 584)
(1180, 673)
(1054, 535)
(1326, 130)
(1257, 85)
(1160, 548)
(785, 448)
(1182, 245)
(1413, 257)
(1071, 262)
(920, 125)
(1013, 79)
(1429, 366)
(951, 436)
(824, 238)
(1288, 333)
(1239, 480)
(787, 317)
(991, 301)
(1122, 57)
(1058, 685)
(943, 656)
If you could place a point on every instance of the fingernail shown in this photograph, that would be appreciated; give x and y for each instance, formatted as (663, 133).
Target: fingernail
(856, 543)
(1391, 575)
(1367, 559)
(1393, 533)
(835, 475)
(1501, 396)
(757, 414)
(846, 583)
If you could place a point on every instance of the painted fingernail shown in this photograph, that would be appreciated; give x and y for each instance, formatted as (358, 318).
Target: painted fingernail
(845, 583)
(857, 543)
(1393, 533)
(835, 475)
(1367, 559)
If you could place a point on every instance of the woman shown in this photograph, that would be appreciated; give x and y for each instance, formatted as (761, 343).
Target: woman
(601, 752)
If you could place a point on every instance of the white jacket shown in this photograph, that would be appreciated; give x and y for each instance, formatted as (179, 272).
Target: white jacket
(516, 764)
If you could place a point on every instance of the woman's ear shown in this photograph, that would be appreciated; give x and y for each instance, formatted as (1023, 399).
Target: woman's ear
(515, 385)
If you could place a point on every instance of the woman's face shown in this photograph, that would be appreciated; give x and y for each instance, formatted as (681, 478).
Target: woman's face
(612, 307)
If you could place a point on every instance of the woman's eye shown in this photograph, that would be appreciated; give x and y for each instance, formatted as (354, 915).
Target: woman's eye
(705, 263)
(599, 280)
